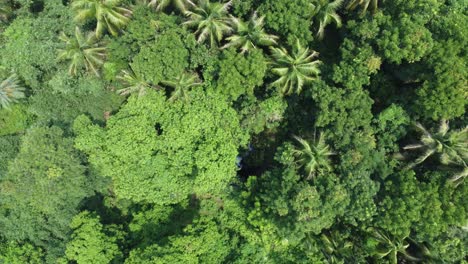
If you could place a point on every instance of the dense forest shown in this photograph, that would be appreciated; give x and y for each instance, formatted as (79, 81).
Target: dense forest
(242, 131)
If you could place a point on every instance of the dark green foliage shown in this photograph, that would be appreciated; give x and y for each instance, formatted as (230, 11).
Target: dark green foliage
(199, 243)
(30, 43)
(289, 207)
(42, 190)
(444, 95)
(400, 209)
(65, 98)
(10, 147)
(240, 74)
(165, 58)
(391, 125)
(263, 115)
(14, 120)
(289, 19)
(140, 32)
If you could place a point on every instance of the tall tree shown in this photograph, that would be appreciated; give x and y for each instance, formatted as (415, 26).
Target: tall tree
(210, 20)
(13, 252)
(161, 152)
(82, 51)
(249, 35)
(325, 13)
(315, 157)
(239, 74)
(90, 241)
(10, 91)
(109, 14)
(182, 85)
(294, 70)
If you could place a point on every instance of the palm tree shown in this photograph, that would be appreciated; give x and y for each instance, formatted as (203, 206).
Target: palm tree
(82, 51)
(108, 14)
(315, 157)
(10, 91)
(364, 4)
(250, 35)
(211, 21)
(451, 147)
(134, 84)
(383, 245)
(459, 177)
(162, 4)
(182, 84)
(5, 11)
(335, 247)
(294, 70)
(325, 13)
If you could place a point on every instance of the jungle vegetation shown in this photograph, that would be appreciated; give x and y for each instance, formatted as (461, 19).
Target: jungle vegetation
(241, 131)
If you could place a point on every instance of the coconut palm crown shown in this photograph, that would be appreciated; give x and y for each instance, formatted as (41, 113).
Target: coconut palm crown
(325, 13)
(108, 14)
(83, 51)
(353, 4)
(294, 70)
(315, 157)
(5, 11)
(182, 84)
(10, 91)
(451, 148)
(181, 5)
(134, 84)
(389, 247)
(249, 34)
(210, 20)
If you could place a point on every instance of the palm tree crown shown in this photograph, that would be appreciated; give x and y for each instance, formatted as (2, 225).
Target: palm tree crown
(364, 4)
(211, 21)
(325, 13)
(82, 51)
(249, 35)
(134, 84)
(182, 84)
(389, 247)
(108, 14)
(10, 91)
(452, 147)
(162, 4)
(294, 70)
(5, 11)
(314, 158)
(335, 248)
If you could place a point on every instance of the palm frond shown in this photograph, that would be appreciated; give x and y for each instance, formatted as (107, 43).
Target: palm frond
(10, 91)
(295, 70)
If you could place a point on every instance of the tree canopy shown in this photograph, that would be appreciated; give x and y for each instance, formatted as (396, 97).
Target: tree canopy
(233, 131)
